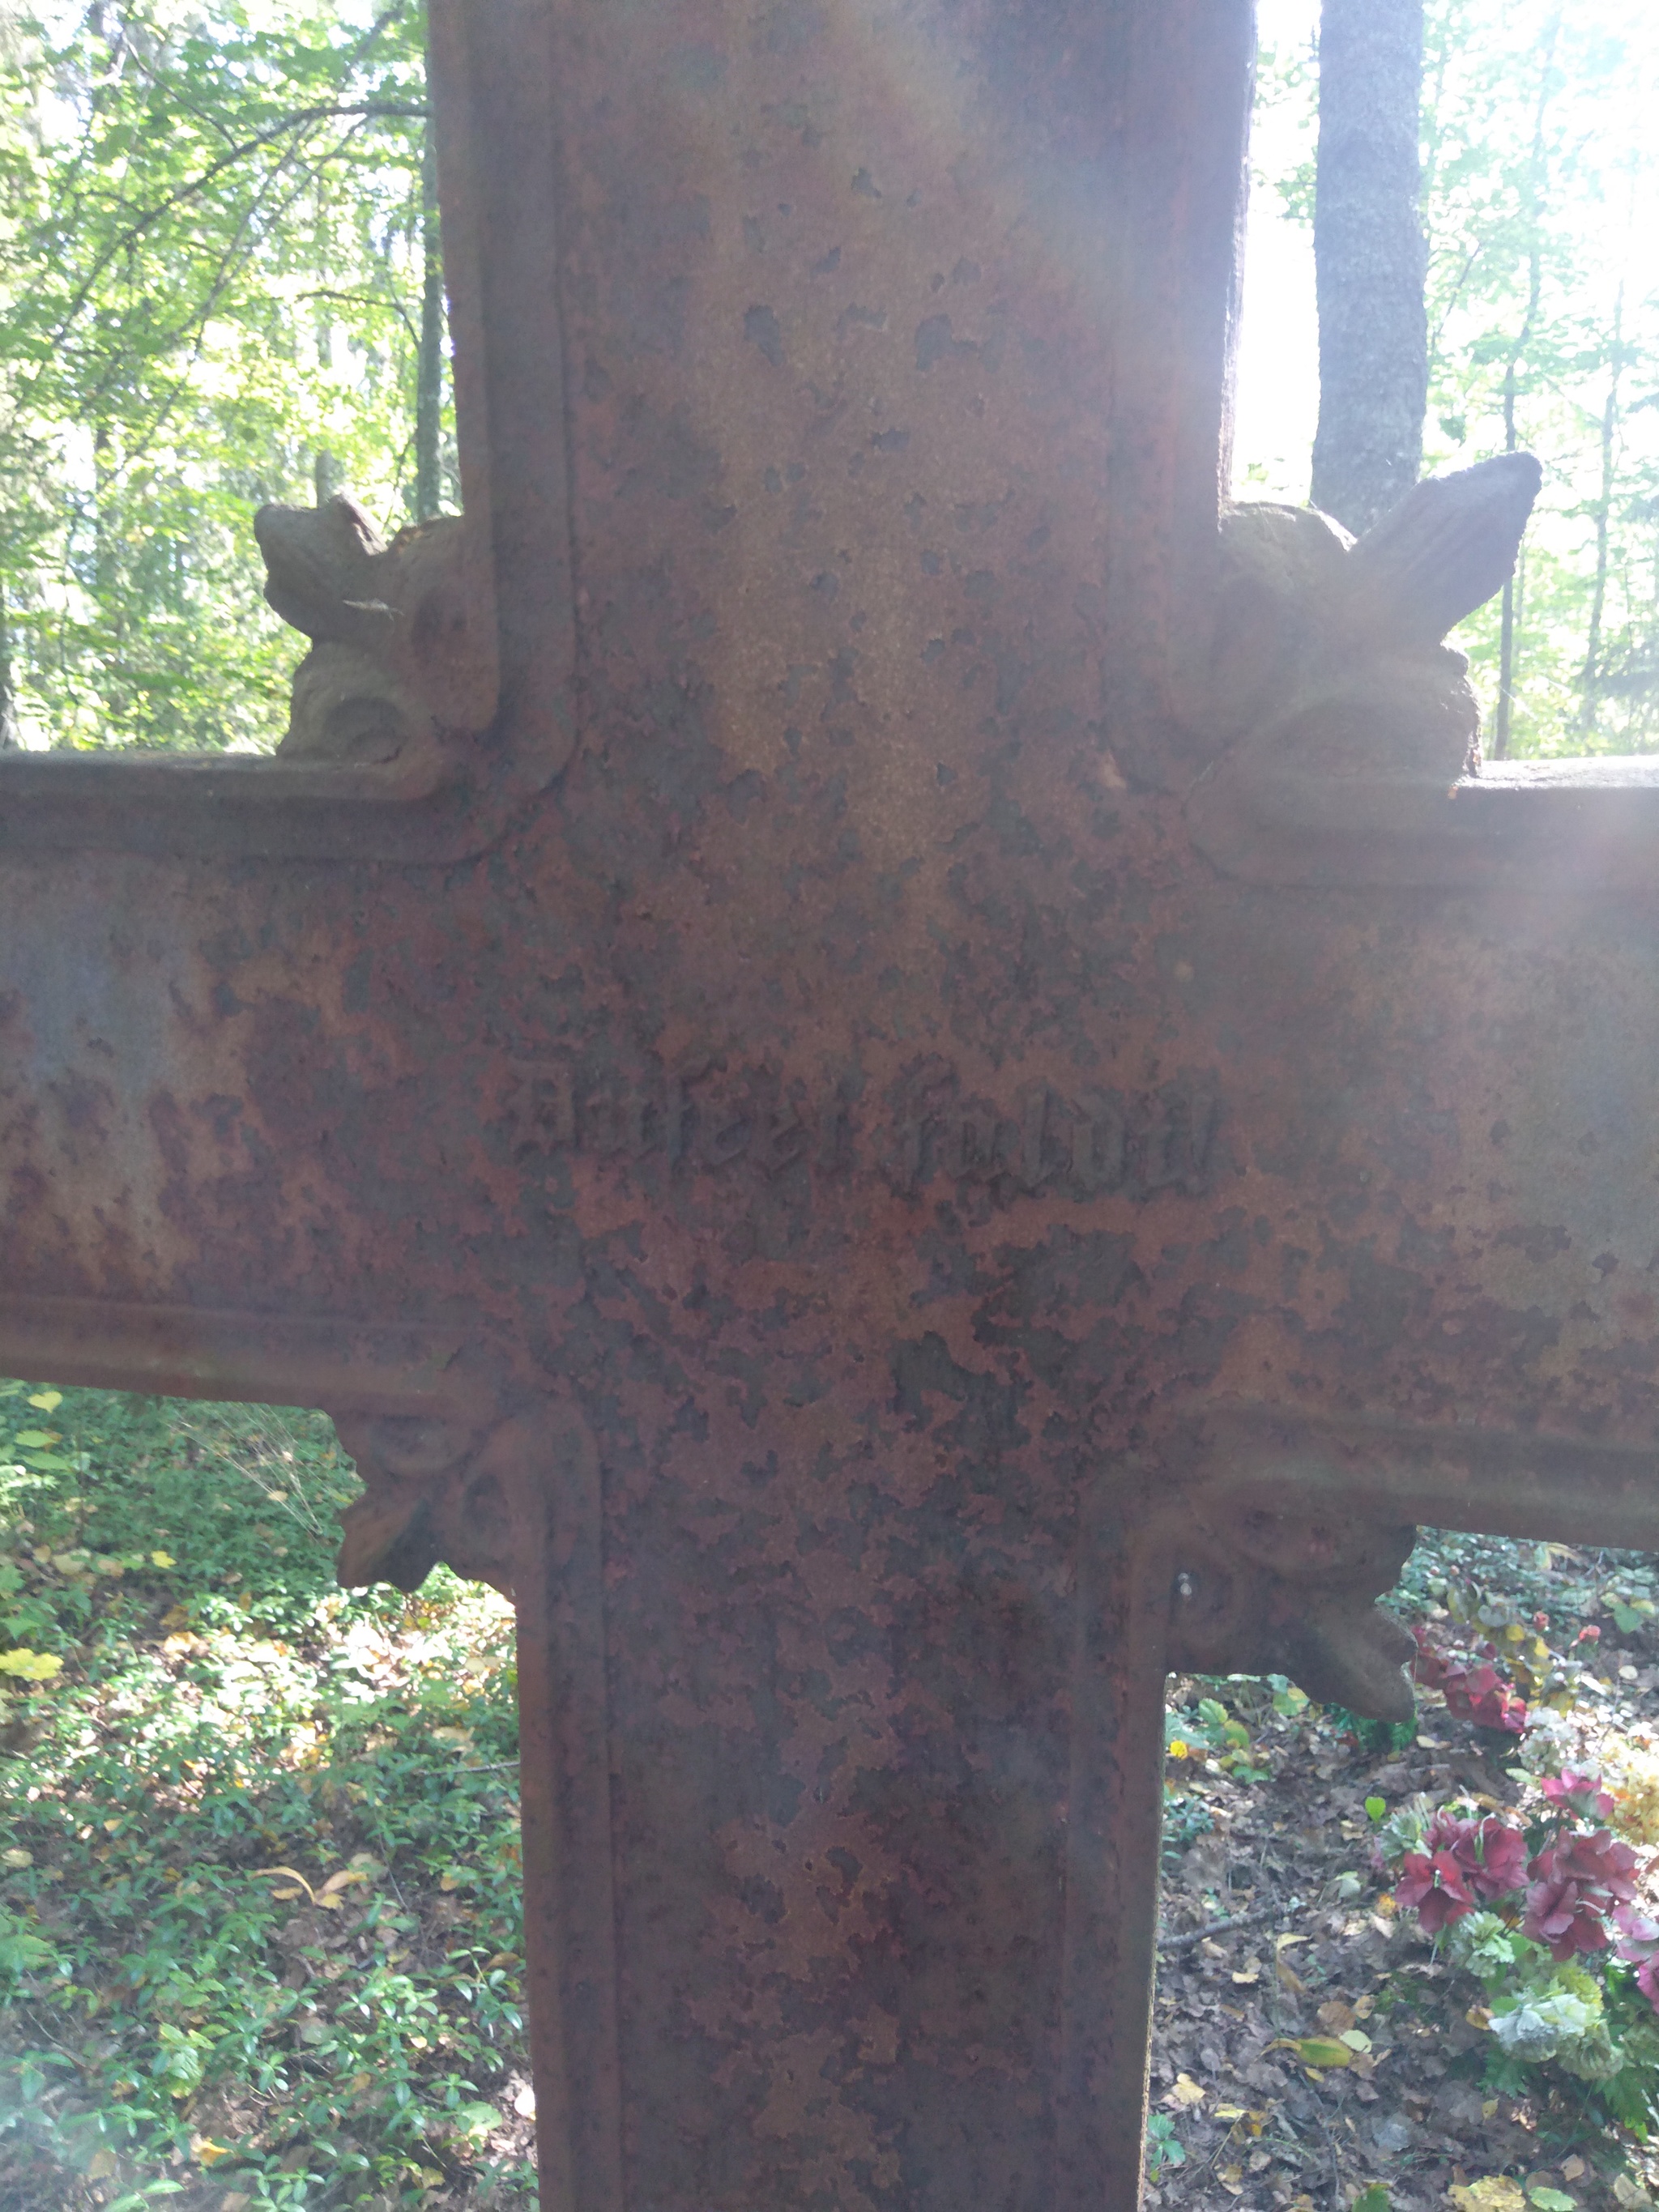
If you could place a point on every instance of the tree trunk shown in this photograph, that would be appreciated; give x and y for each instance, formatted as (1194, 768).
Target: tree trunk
(1371, 258)
(8, 736)
(429, 369)
(1590, 680)
(1537, 179)
(1510, 627)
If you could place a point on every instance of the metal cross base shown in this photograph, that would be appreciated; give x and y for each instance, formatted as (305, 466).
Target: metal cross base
(895, 1072)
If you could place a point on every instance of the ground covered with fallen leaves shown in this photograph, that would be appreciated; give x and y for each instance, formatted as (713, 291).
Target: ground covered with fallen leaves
(1313, 2046)
(260, 1865)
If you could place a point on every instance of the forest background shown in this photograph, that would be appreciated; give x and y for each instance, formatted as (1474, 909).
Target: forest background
(1540, 207)
(220, 284)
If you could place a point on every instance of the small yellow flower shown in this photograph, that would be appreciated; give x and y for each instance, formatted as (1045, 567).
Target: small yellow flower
(1180, 1748)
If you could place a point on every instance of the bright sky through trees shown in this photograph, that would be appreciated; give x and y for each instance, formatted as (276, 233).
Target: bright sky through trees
(1278, 341)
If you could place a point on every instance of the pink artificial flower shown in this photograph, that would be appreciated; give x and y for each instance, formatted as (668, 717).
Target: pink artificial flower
(1433, 1887)
(1639, 1936)
(1639, 1946)
(1580, 1793)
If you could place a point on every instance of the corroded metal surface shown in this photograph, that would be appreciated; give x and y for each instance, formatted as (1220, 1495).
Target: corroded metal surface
(868, 1200)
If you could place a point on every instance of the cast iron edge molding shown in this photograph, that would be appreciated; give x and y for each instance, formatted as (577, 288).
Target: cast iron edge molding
(517, 1502)
(498, 188)
(404, 1369)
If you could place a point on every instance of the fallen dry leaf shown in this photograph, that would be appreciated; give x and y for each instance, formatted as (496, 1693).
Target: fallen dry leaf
(1499, 2194)
(288, 1873)
(1186, 2091)
(1319, 2050)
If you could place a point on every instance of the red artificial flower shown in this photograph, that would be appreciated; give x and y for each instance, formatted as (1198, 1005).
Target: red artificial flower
(1474, 1689)
(1576, 1882)
(1602, 1861)
(1433, 1887)
(1480, 1694)
(1500, 1859)
(1580, 1793)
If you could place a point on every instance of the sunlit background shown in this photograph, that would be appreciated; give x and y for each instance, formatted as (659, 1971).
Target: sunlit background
(1542, 216)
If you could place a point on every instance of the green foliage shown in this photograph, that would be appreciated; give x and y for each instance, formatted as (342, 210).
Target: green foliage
(260, 1858)
(1186, 1818)
(1376, 1737)
(1163, 2148)
(211, 267)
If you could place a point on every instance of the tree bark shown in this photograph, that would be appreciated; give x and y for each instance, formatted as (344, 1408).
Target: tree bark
(1537, 178)
(1371, 258)
(429, 368)
(8, 737)
(1590, 679)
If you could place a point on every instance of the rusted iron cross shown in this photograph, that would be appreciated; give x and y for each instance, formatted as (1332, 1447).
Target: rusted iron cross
(896, 1081)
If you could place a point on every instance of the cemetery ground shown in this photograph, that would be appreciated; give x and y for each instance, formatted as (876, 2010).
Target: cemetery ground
(258, 1868)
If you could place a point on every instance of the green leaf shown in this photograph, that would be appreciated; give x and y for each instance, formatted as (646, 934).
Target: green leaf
(1376, 2198)
(1375, 1809)
(1550, 2200)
